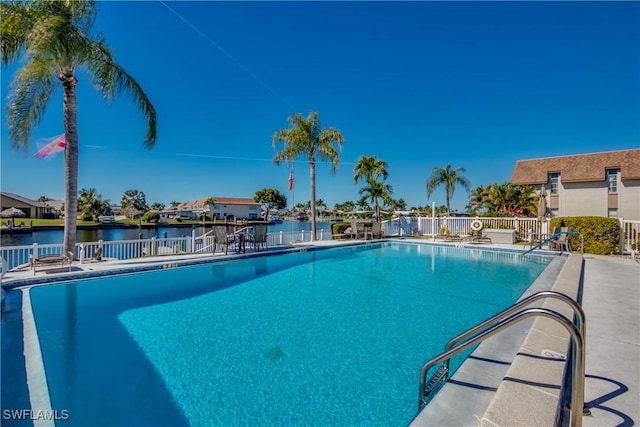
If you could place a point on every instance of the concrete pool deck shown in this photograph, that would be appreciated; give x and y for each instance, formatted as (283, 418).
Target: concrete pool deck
(611, 301)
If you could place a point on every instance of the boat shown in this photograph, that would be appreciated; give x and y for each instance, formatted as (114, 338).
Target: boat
(274, 219)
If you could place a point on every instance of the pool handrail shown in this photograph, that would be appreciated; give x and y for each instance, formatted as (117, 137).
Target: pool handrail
(577, 309)
(555, 236)
(577, 349)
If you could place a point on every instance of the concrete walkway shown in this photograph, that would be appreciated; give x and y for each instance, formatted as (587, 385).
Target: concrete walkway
(611, 302)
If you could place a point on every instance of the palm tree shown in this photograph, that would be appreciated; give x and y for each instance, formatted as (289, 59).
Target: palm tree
(371, 168)
(305, 137)
(90, 204)
(321, 205)
(450, 178)
(376, 191)
(53, 39)
(211, 202)
(362, 204)
(479, 200)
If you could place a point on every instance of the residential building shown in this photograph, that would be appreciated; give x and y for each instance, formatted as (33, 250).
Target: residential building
(224, 207)
(31, 208)
(596, 184)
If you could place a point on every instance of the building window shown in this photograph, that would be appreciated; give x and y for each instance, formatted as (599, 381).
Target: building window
(612, 179)
(554, 181)
(613, 213)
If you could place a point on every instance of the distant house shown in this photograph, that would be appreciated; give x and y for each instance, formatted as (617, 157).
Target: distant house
(31, 208)
(56, 204)
(224, 207)
(597, 184)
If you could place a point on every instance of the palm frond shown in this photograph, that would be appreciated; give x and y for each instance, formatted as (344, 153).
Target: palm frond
(30, 93)
(15, 25)
(110, 78)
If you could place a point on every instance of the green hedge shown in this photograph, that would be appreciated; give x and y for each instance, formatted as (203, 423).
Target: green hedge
(601, 234)
(339, 228)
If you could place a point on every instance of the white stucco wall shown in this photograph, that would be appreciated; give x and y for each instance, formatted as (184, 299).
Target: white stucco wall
(629, 199)
(591, 199)
(583, 199)
(238, 211)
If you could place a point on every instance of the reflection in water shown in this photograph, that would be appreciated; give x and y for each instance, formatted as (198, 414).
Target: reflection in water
(71, 327)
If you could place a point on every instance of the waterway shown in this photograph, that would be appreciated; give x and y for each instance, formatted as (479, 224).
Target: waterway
(110, 233)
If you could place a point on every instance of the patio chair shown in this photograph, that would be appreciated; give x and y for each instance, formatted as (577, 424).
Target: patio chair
(376, 231)
(480, 237)
(359, 230)
(561, 243)
(50, 260)
(446, 235)
(259, 236)
(222, 238)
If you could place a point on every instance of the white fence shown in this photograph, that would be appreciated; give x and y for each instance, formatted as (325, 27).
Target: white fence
(403, 226)
(429, 226)
(629, 233)
(127, 249)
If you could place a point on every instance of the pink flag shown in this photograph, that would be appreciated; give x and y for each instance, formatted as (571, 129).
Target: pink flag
(51, 146)
(291, 181)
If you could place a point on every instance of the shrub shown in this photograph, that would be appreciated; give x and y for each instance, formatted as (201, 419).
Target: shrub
(339, 228)
(151, 216)
(601, 234)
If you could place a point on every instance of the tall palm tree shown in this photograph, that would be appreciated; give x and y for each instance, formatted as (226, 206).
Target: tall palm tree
(305, 137)
(54, 39)
(449, 178)
(370, 168)
(377, 191)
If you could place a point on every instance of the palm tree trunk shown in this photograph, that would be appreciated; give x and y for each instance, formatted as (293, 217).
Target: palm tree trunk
(377, 209)
(70, 160)
(312, 179)
(448, 208)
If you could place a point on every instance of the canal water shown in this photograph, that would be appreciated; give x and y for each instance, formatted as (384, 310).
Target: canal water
(57, 236)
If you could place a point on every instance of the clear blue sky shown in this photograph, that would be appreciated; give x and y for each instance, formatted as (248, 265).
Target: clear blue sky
(419, 84)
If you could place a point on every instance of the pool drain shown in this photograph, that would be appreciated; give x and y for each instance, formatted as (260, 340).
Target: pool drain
(274, 354)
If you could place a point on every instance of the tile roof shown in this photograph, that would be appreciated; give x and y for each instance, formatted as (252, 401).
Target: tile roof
(578, 168)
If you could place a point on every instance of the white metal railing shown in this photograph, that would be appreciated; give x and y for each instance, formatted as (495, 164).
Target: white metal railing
(16, 256)
(429, 226)
(629, 234)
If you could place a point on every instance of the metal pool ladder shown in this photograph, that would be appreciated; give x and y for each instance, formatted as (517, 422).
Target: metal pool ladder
(503, 320)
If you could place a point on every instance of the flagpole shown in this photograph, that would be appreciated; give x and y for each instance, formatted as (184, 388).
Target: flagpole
(293, 201)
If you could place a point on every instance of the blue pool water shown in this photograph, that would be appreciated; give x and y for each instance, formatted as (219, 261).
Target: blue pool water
(327, 337)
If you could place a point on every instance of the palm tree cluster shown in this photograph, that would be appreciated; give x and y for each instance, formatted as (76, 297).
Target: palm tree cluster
(503, 199)
(374, 172)
(54, 39)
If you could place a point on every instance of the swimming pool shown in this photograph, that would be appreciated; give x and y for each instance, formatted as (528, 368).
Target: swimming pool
(324, 337)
